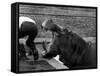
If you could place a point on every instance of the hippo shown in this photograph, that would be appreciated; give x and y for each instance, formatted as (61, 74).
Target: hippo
(74, 52)
(28, 27)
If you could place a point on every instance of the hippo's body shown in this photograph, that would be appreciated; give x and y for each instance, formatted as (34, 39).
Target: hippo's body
(74, 52)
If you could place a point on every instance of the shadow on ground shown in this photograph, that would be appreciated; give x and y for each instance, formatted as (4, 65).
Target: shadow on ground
(34, 65)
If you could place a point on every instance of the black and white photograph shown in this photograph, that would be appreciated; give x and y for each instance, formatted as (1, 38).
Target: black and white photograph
(54, 37)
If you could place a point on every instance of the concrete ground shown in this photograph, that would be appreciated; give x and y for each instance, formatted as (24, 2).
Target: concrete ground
(41, 63)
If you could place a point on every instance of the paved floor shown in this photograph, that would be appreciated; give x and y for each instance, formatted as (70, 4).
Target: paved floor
(41, 63)
(34, 65)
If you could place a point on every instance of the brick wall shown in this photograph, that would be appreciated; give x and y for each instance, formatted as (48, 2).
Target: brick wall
(79, 20)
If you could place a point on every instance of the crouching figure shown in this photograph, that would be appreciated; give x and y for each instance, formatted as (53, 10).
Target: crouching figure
(27, 27)
(74, 52)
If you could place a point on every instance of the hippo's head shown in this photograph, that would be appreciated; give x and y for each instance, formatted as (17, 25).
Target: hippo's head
(49, 25)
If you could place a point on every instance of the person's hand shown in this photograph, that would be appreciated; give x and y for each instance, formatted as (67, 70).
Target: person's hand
(43, 53)
(44, 45)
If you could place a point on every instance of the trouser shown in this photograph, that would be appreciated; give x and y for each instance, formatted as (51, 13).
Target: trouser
(29, 29)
